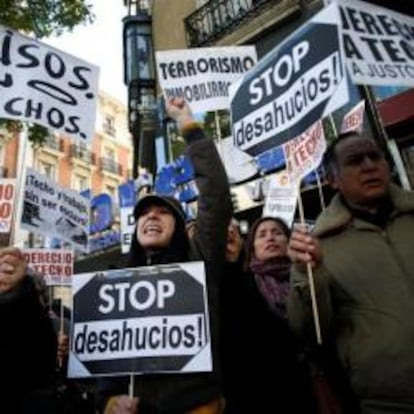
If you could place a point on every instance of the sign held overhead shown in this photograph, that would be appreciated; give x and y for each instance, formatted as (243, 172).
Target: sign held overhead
(299, 82)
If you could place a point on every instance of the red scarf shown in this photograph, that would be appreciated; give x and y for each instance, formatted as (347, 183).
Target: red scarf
(272, 280)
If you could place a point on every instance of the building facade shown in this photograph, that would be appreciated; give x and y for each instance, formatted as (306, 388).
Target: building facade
(100, 166)
(264, 24)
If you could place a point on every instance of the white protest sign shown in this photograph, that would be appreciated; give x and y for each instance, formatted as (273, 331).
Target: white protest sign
(127, 194)
(202, 75)
(281, 198)
(354, 119)
(144, 320)
(378, 44)
(296, 84)
(7, 197)
(304, 153)
(127, 222)
(46, 86)
(55, 211)
(55, 265)
(239, 165)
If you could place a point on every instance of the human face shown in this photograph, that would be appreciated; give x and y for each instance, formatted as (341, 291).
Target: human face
(362, 175)
(269, 241)
(155, 227)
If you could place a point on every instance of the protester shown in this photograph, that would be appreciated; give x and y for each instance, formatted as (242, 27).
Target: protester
(73, 396)
(362, 258)
(279, 353)
(266, 258)
(160, 238)
(260, 356)
(28, 343)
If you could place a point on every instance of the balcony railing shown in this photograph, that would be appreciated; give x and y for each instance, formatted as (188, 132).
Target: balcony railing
(82, 154)
(109, 129)
(3, 172)
(110, 165)
(216, 18)
(53, 143)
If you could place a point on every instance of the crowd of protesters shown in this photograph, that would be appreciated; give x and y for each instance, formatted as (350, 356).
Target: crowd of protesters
(358, 260)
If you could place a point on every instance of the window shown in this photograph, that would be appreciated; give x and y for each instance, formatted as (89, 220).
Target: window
(48, 169)
(109, 125)
(80, 182)
(109, 153)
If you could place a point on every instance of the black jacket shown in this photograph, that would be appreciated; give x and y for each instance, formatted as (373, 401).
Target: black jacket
(263, 363)
(177, 393)
(27, 352)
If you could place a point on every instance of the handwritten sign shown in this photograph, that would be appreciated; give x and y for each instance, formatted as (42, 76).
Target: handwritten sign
(46, 86)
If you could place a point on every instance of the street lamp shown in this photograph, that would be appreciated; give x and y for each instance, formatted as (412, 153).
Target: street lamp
(139, 77)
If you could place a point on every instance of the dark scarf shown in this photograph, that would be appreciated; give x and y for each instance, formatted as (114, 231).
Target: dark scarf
(272, 280)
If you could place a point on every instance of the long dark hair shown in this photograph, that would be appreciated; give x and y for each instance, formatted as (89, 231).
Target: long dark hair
(249, 243)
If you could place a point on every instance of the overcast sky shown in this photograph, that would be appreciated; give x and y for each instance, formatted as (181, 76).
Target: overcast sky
(100, 44)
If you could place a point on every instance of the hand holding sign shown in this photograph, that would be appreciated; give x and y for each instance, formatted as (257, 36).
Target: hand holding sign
(122, 404)
(12, 268)
(179, 110)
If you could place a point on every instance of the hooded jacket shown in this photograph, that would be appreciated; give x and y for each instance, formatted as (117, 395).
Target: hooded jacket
(178, 393)
(365, 296)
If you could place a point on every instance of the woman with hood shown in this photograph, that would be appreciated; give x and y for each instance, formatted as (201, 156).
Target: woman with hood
(160, 238)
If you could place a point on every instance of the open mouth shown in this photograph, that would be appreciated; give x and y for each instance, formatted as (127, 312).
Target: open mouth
(152, 230)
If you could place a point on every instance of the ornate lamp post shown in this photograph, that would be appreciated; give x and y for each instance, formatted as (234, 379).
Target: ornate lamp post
(139, 77)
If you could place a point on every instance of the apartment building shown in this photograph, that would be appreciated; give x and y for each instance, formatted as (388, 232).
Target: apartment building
(100, 166)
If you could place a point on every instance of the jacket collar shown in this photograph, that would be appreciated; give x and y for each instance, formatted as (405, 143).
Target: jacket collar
(337, 214)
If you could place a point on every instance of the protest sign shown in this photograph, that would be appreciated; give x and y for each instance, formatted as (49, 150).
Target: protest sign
(296, 84)
(144, 320)
(7, 197)
(281, 198)
(127, 200)
(46, 86)
(304, 153)
(354, 119)
(239, 165)
(55, 265)
(378, 44)
(202, 75)
(55, 211)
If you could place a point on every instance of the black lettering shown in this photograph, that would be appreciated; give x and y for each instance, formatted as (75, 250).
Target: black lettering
(74, 127)
(154, 342)
(174, 337)
(103, 341)
(59, 70)
(351, 50)
(189, 336)
(91, 342)
(5, 48)
(80, 340)
(9, 108)
(55, 118)
(33, 61)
